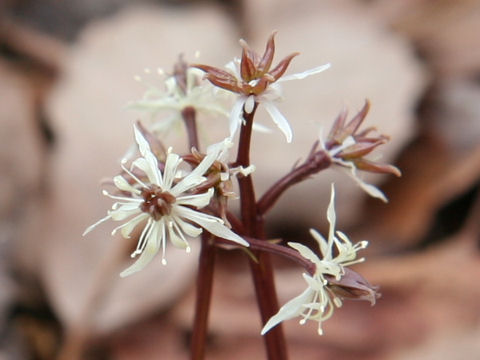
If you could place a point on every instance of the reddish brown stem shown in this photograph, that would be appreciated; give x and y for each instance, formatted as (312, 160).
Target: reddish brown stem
(189, 117)
(262, 272)
(316, 161)
(203, 296)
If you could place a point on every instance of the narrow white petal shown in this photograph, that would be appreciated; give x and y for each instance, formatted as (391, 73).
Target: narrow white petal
(141, 141)
(331, 217)
(122, 184)
(144, 236)
(128, 227)
(220, 149)
(153, 172)
(210, 223)
(249, 104)
(153, 175)
(171, 165)
(125, 211)
(175, 235)
(234, 67)
(279, 120)
(304, 74)
(186, 227)
(322, 244)
(150, 250)
(236, 115)
(198, 201)
(288, 311)
(195, 177)
(261, 128)
(315, 283)
(368, 188)
(306, 252)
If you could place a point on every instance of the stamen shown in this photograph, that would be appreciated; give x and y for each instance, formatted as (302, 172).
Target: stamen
(124, 168)
(142, 240)
(124, 198)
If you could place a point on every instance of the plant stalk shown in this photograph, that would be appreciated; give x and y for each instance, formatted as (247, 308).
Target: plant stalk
(261, 269)
(203, 297)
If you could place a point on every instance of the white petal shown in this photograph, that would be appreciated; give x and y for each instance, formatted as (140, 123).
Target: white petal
(124, 211)
(249, 104)
(171, 165)
(128, 227)
(368, 188)
(150, 250)
(279, 120)
(144, 236)
(153, 174)
(331, 217)
(236, 115)
(187, 228)
(306, 252)
(304, 74)
(261, 128)
(123, 184)
(316, 283)
(175, 235)
(234, 67)
(322, 244)
(288, 311)
(210, 223)
(195, 178)
(220, 149)
(198, 201)
(141, 141)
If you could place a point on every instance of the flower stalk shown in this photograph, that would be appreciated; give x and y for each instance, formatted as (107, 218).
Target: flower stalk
(203, 297)
(189, 118)
(316, 161)
(261, 269)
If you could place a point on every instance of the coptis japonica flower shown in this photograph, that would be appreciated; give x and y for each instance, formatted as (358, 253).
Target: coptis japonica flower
(347, 148)
(184, 89)
(318, 301)
(168, 208)
(252, 78)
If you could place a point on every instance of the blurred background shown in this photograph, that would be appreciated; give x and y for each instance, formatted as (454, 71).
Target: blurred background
(66, 74)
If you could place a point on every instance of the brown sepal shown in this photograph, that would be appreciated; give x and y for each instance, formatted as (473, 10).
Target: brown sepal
(267, 58)
(353, 286)
(282, 66)
(366, 165)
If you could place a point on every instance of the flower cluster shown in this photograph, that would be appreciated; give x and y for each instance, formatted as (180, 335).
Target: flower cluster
(165, 203)
(162, 197)
(331, 280)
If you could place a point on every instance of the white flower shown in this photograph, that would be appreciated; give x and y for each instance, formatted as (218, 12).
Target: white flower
(268, 99)
(196, 93)
(317, 302)
(168, 208)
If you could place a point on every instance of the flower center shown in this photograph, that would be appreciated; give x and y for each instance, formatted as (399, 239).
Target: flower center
(156, 202)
